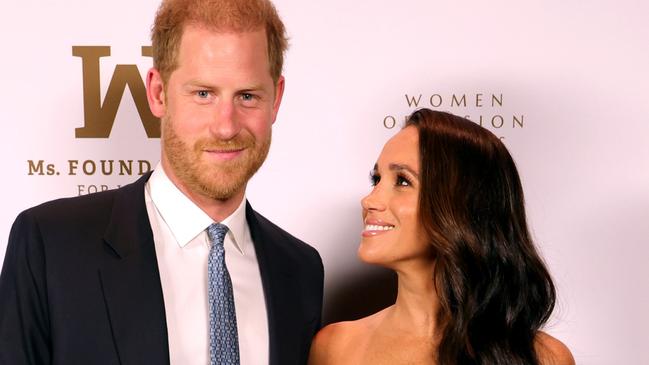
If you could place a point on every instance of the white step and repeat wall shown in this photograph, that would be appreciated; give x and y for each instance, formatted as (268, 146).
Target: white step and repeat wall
(565, 83)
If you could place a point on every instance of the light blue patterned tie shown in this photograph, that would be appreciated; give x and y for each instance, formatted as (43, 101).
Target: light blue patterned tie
(224, 342)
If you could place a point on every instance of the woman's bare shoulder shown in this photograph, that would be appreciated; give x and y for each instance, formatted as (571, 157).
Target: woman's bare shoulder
(552, 351)
(335, 332)
(328, 341)
(340, 340)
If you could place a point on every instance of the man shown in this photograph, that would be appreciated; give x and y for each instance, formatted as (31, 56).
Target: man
(135, 275)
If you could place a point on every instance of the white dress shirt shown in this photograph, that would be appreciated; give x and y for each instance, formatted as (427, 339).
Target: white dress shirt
(182, 248)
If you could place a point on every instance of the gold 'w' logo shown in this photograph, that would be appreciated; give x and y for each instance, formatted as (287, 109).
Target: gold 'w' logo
(99, 118)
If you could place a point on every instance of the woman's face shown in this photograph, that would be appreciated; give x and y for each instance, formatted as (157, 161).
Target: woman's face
(392, 232)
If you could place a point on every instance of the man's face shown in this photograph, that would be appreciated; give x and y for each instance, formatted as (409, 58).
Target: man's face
(219, 106)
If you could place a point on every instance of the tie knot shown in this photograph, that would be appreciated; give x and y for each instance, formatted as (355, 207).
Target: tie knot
(216, 232)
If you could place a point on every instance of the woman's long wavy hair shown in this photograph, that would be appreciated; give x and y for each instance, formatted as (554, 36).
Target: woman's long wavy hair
(494, 288)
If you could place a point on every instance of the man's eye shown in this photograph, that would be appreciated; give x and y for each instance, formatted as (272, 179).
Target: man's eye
(247, 97)
(203, 94)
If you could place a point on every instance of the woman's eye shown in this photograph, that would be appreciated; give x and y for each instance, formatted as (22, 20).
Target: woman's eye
(374, 179)
(403, 181)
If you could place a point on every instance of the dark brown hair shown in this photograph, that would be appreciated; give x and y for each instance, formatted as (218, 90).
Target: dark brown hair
(495, 290)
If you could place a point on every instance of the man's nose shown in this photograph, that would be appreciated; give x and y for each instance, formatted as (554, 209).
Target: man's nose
(225, 124)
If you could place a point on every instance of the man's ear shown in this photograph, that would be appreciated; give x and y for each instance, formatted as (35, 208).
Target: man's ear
(279, 92)
(155, 93)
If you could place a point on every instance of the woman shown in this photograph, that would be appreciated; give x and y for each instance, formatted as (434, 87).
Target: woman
(447, 214)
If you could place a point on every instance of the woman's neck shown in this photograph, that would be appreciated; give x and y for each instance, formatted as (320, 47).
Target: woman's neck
(417, 304)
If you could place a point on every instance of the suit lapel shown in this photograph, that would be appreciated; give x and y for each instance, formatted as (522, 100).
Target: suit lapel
(280, 290)
(131, 283)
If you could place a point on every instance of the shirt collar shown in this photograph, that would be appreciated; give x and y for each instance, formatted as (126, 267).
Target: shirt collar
(184, 218)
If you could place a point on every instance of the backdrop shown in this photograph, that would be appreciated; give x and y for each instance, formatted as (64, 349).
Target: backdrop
(565, 83)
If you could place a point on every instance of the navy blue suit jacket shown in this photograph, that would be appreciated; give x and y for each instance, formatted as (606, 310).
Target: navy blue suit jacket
(80, 285)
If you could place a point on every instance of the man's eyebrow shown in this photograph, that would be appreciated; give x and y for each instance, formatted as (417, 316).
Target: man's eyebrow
(198, 83)
(401, 167)
(253, 87)
(208, 85)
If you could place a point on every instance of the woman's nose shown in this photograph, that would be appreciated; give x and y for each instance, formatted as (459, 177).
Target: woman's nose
(373, 200)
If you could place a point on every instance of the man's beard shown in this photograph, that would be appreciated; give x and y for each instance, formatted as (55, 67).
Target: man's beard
(218, 181)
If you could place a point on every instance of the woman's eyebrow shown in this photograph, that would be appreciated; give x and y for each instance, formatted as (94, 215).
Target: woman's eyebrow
(401, 167)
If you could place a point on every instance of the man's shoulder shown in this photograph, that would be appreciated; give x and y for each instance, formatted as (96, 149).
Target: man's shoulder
(78, 210)
(78, 206)
(71, 209)
(280, 237)
(59, 223)
(275, 230)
